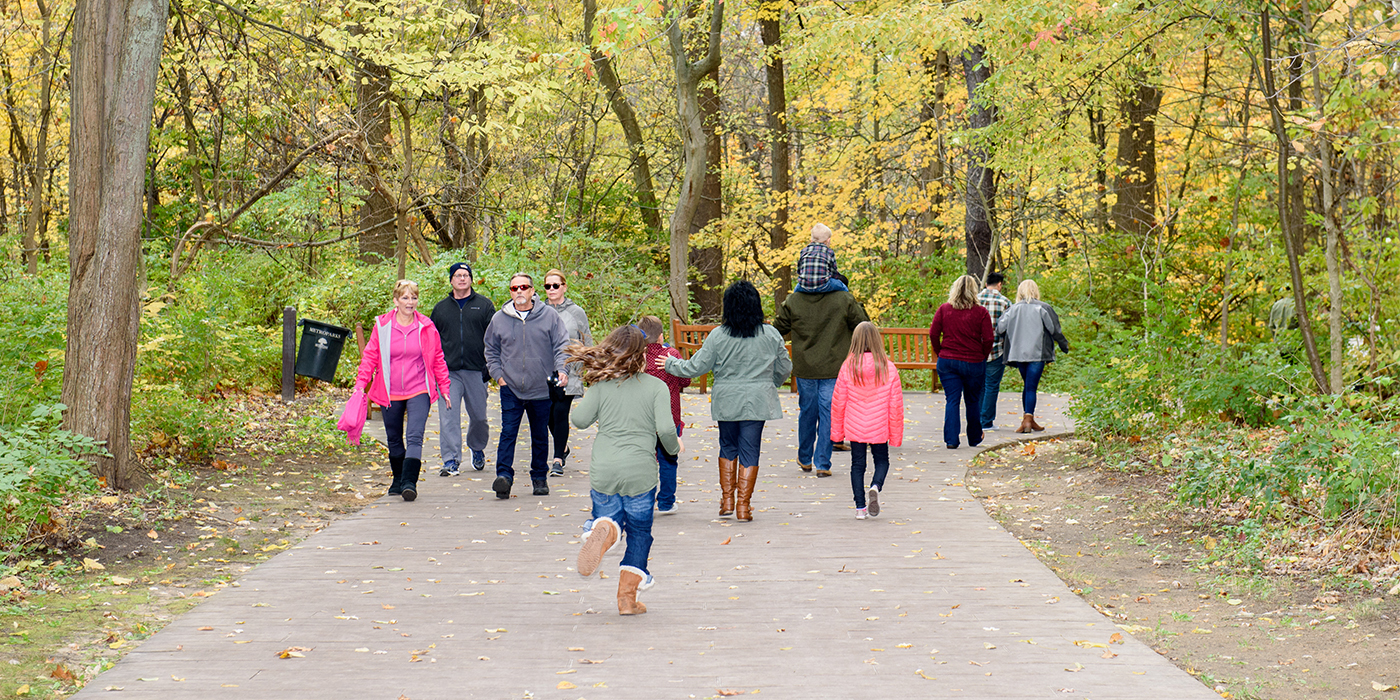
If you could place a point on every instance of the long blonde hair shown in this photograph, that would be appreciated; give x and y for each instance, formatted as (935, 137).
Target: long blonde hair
(866, 338)
(963, 293)
(1027, 291)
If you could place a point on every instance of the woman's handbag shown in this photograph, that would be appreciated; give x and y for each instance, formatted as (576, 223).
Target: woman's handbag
(352, 419)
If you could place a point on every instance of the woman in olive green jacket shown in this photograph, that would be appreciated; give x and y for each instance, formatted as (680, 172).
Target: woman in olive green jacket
(750, 362)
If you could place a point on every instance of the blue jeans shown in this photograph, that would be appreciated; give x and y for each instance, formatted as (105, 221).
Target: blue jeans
(881, 452)
(991, 386)
(831, 285)
(814, 421)
(1030, 376)
(633, 515)
(739, 440)
(512, 410)
(962, 380)
(666, 492)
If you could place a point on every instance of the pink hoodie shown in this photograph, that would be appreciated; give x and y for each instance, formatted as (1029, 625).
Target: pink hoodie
(873, 413)
(374, 364)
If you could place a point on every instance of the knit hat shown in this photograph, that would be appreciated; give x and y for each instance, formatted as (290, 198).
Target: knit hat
(459, 266)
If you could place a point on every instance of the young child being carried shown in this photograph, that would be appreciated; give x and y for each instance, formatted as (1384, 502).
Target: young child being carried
(657, 347)
(867, 407)
(816, 264)
(633, 413)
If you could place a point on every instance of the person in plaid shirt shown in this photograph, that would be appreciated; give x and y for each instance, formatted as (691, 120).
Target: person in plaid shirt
(656, 347)
(816, 264)
(992, 300)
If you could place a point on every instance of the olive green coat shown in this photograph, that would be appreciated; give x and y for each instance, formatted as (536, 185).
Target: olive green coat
(748, 372)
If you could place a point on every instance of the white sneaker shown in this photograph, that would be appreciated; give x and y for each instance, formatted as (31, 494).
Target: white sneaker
(675, 507)
(861, 514)
(872, 500)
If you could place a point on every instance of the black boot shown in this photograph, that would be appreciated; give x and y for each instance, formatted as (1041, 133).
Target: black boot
(396, 486)
(541, 487)
(411, 467)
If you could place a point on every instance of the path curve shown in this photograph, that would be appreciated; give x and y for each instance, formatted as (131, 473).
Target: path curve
(459, 595)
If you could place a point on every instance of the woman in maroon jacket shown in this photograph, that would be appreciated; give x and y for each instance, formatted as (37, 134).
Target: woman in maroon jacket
(961, 334)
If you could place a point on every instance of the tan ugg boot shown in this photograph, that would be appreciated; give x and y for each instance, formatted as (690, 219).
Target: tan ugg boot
(1036, 426)
(627, 582)
(600, 539)
(1025, 424)
(727, 471)
(748, 478)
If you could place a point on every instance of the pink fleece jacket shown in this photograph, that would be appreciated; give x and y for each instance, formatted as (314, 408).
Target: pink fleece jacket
(873, 413)
(374, 364)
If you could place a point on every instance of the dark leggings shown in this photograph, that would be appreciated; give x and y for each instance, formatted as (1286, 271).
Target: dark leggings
(405, 433)
(559, 404)
(881, 452)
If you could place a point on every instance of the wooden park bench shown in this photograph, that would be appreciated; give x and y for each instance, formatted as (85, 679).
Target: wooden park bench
(907, 348)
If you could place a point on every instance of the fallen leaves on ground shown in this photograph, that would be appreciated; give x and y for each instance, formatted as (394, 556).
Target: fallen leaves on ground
(293, 652)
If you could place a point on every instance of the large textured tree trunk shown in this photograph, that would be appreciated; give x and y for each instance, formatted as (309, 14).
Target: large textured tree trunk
(378, 231)
(980, 200)
(780, 179)
(640, 165)
(694, 146)
(707, 286)
(1136, 181)
(116, 52)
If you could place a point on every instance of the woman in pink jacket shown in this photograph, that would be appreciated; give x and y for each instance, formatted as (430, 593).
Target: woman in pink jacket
(867, 407)
(403, 369)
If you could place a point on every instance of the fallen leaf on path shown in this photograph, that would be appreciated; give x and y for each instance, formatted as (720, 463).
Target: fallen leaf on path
(1088, 644)
(582, 649)
(1107, 654)
(293, 652)
(62, 673)
(1077, 668)
(925, 676)
(1115, 638)
(206, 629)
(1381, 687)
(728, 693)
(565, 685)
(565, 673)
(591, 661)
(727, 540)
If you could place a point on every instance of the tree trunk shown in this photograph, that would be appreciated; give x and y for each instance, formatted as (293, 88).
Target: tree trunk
(378, 229)
(116, 54)
(980, 200)
(470, 161)
(640, 165)
(1290, 224)
(1135, 212)
(780, 181)
(694, 147)
(933, 175)
(707, 286)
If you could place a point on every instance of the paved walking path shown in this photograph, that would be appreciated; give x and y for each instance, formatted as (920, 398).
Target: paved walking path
(459, 595)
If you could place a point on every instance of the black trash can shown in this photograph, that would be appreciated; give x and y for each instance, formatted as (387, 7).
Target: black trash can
(319, 352)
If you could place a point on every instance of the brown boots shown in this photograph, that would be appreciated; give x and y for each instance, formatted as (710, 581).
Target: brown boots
(748, 478)
(727, 475)
(627, 582)
(1028, 424)
(736, 486)
(599, 540)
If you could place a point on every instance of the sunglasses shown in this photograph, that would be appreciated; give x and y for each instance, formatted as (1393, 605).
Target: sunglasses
(551, 285)
(519, 287)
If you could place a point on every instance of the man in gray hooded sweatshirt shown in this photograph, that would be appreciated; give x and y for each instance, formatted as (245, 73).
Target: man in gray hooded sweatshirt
(525, 353)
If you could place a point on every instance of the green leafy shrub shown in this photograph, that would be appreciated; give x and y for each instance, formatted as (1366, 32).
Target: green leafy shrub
(31, 343)
(39, 467)
(166, 421)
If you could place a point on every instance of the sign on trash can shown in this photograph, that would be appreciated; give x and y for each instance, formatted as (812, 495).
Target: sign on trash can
(319, 352)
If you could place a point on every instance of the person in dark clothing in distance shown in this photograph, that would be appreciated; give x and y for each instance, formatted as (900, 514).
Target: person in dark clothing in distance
(461, 320)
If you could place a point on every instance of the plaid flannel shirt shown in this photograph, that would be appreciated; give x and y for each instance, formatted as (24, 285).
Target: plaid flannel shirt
(996, 305)
(815, 264)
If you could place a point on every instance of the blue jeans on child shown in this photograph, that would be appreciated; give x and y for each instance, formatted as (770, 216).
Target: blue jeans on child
(962, 380)
(881, 452)
(633, 515)
(666, 492)
(991, 386)
(1030, 376)
(831, 285)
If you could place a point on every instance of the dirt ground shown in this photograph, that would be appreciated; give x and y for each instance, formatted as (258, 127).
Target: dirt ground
(135, 560)
(1118, 540)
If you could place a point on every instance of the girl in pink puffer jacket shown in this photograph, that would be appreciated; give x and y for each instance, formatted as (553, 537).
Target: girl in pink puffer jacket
(867, 408)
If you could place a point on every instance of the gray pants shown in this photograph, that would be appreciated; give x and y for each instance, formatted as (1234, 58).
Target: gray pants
(403, 426)
(469, 389)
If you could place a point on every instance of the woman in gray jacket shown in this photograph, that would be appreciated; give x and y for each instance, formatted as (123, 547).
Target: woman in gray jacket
(1032, 329)
(749, 361)
(562, 397)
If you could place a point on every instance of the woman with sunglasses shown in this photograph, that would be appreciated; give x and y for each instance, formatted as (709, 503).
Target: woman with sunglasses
(562, 397)
(525, 353)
